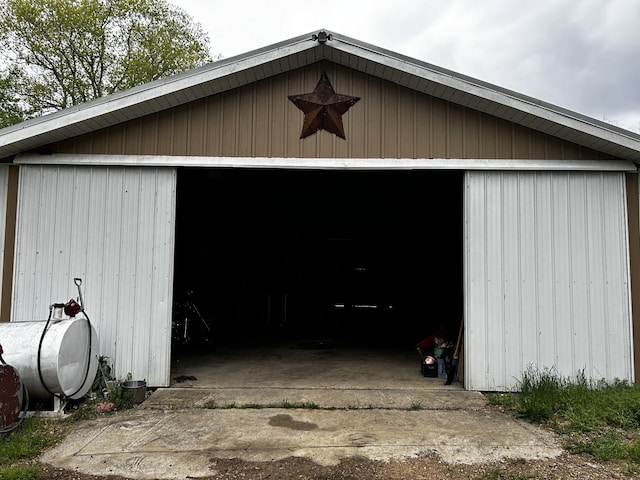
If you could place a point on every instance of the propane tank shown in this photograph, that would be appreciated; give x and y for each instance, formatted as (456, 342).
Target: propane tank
(68, 359)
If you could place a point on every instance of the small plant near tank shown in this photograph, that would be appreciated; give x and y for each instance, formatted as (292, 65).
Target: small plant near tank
(106, 394)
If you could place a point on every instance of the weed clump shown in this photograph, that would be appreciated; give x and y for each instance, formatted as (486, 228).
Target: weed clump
(598, 418)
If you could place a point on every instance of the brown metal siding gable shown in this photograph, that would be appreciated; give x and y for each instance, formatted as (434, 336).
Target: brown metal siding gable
(389, 121)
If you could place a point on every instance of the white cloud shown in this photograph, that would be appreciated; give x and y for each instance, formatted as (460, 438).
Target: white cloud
(579, 55)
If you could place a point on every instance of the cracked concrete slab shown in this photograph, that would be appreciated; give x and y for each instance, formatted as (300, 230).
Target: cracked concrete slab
(148, 443)
(325, 405)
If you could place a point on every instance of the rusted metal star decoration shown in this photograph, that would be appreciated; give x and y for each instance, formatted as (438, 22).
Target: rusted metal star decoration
(323, 108)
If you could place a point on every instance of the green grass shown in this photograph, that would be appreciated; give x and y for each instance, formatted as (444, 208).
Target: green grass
(598, 418)
(26, 443)
(610, 446)
(21, 473)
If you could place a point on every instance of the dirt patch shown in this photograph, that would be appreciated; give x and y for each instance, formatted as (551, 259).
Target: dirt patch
(425, 467)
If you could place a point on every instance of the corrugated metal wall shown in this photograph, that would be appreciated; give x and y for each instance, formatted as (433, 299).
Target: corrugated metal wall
(546, 276)
(115, 228)
(389, 121)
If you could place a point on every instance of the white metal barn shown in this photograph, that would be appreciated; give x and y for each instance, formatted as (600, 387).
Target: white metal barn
(468, 200)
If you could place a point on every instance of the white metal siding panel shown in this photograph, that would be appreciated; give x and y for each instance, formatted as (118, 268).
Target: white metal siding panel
(495, 281)
(546, 277)
(114, 227)
(4, 189)
(545, 328)
(475, 274)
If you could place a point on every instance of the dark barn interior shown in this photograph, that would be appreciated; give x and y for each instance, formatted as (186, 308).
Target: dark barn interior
(358, 257)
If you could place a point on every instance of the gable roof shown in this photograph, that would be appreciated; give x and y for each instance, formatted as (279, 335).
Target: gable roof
(307, 49)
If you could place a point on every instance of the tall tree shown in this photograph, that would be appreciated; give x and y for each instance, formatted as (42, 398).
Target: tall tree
(58, 53)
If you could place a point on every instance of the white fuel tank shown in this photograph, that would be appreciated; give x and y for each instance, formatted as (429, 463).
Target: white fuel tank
(68, 359)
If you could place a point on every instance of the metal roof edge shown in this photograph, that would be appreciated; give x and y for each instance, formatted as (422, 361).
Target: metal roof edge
(326, 163)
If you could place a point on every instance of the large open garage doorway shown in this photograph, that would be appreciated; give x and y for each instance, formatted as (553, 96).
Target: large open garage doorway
(314, 257)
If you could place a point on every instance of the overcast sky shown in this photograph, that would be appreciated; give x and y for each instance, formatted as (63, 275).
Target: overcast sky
(583, 55)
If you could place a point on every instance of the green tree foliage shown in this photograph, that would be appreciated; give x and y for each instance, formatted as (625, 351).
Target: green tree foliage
(57, 53)
(10, 110)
